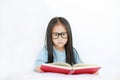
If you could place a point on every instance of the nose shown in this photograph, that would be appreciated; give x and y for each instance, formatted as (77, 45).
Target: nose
(59, 37)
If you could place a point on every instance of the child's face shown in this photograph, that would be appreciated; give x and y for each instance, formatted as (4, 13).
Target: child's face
(59, 36)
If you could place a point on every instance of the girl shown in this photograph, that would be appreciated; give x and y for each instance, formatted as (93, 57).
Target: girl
(59, 46)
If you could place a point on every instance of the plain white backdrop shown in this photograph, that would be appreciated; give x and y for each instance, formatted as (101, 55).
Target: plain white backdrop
(95, 26)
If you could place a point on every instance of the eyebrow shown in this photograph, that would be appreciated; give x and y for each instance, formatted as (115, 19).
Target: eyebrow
(59, 32)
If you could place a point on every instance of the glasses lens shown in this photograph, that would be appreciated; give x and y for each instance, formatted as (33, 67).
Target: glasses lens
(64, 35)
(54, 35)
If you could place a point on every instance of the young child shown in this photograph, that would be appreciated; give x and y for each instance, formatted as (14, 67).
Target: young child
(59, 45)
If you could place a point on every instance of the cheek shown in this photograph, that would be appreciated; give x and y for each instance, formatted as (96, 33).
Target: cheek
(65, 41)
(54, 41)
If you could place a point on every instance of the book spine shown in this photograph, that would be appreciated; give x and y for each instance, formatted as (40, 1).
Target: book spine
(71, 72)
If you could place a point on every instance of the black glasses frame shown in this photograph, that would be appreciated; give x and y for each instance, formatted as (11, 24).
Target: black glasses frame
(60, 34)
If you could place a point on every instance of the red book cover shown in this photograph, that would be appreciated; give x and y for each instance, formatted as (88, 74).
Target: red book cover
(57, 69)
(68, 69)
(86, 70)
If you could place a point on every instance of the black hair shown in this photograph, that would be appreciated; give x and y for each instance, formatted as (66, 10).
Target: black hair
(68, 46)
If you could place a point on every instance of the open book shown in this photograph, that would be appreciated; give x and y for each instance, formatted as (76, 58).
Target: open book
(66, 68)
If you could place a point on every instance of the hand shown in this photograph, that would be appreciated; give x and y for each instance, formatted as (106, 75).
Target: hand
(96, 73)
(38, 69)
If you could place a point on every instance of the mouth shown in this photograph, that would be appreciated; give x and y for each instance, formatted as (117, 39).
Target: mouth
(60, 42)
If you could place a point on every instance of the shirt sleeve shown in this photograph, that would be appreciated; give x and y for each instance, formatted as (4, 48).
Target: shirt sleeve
(41, 58)
(77, 57)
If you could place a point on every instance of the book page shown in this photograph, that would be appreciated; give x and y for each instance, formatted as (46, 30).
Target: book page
(61, 64)
(85, 65)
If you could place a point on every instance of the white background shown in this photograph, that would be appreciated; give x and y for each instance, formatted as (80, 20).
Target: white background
(95, 25)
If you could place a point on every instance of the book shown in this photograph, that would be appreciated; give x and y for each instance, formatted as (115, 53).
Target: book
(66, 68)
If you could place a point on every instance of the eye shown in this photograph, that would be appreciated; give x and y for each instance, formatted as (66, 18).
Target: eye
(55, 34)
(64, 34)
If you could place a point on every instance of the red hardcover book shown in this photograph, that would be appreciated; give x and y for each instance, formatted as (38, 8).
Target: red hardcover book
(65, 68)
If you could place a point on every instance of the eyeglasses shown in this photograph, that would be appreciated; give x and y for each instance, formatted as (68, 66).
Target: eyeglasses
(55, 35)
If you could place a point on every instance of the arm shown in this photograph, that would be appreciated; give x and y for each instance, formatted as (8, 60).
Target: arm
(41, 58)
(77, 57)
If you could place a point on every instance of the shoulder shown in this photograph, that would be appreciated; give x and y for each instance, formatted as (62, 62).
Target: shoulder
(43, 51)
(75, 51)
(77, 57)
